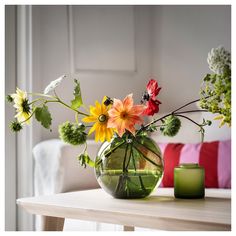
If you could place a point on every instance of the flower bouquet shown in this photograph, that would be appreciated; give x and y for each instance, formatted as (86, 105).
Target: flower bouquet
(129, 163)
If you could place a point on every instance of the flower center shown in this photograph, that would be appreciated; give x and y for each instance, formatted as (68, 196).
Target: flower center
(102, 118)
(25, 106)
(124, 115)
(146, 96)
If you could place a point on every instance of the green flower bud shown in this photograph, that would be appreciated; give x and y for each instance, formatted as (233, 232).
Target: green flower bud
(72, 133)
(171, 126)
(81, 127)
(208, 122)
(15, 126)
(9, 98)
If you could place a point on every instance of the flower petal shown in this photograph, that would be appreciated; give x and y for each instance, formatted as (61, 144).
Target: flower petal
(113, 112)
(152, 88)
(137, 110)
(124, 115)
(152, 107)
(97, 133)
(112, 122)
(102, 133)
(128, 102)
(94, 111)
(98, 106)
(131, 129)
(121, 128)
(94, 127)
(89, 119)
(53, 84)
(109, 134)
(117, 104)
(104, 108)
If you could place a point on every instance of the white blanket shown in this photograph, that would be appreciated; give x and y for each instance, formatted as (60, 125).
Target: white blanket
(57, 170)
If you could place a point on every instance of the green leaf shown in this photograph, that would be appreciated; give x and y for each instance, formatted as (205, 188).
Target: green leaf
(85, 160)
(77, 101)
(43, 116)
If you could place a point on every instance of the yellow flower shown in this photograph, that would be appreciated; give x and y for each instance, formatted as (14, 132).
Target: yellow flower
(99, 115)
(21, 105)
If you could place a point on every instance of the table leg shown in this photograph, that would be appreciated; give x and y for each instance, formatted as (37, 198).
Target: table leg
(128, 228)
(50, 223)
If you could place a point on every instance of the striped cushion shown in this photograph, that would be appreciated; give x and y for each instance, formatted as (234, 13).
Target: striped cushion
(215, 157)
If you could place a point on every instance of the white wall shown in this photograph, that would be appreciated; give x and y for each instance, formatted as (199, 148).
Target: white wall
(101, 78)
(10, 137)
(169, 42)
(183, 35)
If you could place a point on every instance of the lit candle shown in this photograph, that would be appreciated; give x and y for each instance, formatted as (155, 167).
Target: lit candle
(189, 181)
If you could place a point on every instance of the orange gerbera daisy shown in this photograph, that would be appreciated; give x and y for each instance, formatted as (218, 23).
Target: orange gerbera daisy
(124, 115)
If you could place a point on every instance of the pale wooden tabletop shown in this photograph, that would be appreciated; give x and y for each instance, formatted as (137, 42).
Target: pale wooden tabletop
(159, 211)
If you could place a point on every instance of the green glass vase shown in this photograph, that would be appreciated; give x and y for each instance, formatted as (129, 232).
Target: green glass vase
(129, 167)
(189, 181)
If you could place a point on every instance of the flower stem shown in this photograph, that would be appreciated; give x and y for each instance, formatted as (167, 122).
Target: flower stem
(42, 95)
(76, 118)
(199, 125)
(153, 122)
(124, 161)
(189, 103)
(127, 165)
(144, 154)
(197, 100)
(113, 149)
(190, 111)
(189, 120)
(85, 147)
(66, 105)
(174, 113)
(28, 117)
(140, 178)
(36, 100)
(57, 100)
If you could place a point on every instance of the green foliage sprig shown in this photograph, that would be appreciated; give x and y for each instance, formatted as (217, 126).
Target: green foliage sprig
(85, 160)
(216, 87)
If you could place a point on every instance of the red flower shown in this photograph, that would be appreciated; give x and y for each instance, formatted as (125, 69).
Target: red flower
(150, 97)
(152, 88)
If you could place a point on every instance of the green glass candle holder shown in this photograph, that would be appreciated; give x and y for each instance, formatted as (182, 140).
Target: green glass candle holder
(189, 181)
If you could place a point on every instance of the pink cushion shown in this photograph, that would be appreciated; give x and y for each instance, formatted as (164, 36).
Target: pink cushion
(215, 157)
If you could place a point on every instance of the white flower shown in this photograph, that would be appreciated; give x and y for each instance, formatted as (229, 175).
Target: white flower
(218, 59)
(54, 84)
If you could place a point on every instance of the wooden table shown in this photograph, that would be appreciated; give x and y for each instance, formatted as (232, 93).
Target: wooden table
(159, 211)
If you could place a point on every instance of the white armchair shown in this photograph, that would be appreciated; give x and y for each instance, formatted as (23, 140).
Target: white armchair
(57, 170)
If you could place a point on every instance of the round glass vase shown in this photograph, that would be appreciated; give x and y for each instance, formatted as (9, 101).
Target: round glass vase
(129, 167)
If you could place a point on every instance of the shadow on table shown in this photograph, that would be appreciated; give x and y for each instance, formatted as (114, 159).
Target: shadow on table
(163, 199)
